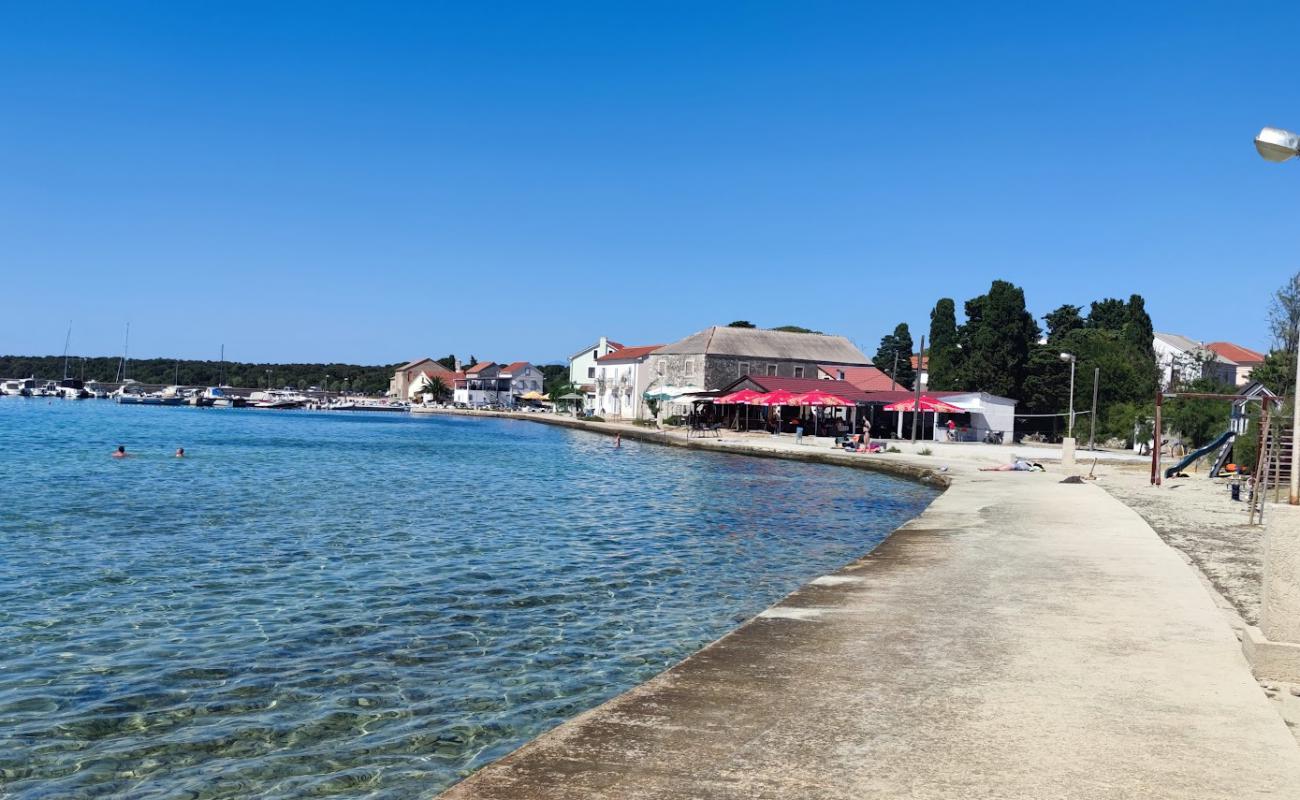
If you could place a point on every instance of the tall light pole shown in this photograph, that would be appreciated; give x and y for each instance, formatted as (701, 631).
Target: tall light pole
(1072, 359)
(1278, 145)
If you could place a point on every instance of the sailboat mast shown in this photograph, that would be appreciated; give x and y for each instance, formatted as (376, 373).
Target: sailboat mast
(66, 341)
(221, 378)
(121, 367)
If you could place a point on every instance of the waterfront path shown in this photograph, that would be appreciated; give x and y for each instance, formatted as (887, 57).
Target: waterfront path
(1022, 638)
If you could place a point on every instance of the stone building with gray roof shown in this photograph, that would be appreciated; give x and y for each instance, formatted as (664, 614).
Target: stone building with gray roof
(715, 357)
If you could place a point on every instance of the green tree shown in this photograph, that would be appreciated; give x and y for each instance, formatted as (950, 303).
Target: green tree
(436, 389)
(1284, 315)
(1063, 320)
(1138, 330)
(1109, 314)
(1277, 373)
(448, 361)
(943, 357)
(472, 361)
(795, 329)
(996, 341)
(741, 323)
(1198, 421)
(896, 348)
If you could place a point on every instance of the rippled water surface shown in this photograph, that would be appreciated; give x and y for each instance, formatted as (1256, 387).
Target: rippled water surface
(367, 605)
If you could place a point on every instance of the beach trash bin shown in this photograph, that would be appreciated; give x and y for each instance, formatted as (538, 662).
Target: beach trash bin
(1235, 488)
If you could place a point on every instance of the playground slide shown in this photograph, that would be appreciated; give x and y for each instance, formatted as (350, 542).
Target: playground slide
(1224, 439)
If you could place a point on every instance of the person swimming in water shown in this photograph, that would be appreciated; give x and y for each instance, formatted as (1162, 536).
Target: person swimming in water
(120, 452)
(180, 452)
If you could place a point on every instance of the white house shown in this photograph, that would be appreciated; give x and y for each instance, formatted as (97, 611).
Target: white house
(523, 379)
(1182, 360)
(489, 383)
(582, 369)
(480, 386)
(621, 379)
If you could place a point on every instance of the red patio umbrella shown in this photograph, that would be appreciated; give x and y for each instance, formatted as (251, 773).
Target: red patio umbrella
(820, 398)
(924, 405)
(927, 404)
(778, 398)
(735, 398)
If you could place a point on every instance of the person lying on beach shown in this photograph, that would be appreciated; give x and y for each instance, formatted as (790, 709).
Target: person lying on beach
(1016, 466)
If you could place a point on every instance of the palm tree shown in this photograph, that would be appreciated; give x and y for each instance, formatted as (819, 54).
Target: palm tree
(436, 387)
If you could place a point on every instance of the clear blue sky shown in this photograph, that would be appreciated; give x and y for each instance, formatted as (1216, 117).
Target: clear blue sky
(369, 182)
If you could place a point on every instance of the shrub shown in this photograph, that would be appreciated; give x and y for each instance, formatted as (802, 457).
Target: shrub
(593, 418)
(924, 451)
(892, 449)
(674, 420)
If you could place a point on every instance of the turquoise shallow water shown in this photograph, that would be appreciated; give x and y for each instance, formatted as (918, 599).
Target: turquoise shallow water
(364, 605)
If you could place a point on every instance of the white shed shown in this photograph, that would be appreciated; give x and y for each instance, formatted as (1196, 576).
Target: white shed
(988, 412)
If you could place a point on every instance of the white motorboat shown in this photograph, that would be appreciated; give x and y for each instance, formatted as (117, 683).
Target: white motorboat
(18, 387)
(277, 398)
(72, 389)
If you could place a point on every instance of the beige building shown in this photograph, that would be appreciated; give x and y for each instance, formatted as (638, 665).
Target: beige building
(407, 377)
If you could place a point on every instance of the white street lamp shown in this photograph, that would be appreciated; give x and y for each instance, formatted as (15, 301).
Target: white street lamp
(1277, 145)
(1072, 359)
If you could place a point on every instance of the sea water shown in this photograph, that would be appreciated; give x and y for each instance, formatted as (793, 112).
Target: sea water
(365, 605)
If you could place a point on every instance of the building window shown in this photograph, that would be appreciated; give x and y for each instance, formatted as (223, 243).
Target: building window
(771, 369)
(690, 368)
(595, 354)
(798, 372)
(742, 369)
(591, 372)
(660, 368)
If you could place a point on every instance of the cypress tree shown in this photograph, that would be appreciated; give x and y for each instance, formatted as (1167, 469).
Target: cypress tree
(944, 354)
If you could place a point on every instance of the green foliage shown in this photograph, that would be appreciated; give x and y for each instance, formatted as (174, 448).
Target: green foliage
(593, 418)
(996, 341)
(943, 357)
(898, 343)
(796, 329)
(1199, 421)
(436, 389)
(1063, 320)
(472, 361)
(164, 371)
(653, 406)
(448, 361)
(925, 451)
(555, 380)
(741, 323)
(1277, 373)
(1284, 315)
(1109, 314)
(675, 420)
(892, 449)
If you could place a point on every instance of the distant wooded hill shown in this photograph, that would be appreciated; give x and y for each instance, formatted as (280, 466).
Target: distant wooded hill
(368, 379)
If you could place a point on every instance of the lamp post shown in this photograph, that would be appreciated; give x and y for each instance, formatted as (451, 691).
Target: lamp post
(1278, 145)
(1070, 357)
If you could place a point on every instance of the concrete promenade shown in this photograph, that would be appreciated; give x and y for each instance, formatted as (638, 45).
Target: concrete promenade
(1022, 638)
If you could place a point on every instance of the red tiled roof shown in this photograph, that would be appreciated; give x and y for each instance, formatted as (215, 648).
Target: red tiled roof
(629, 352)
(511, 369)
(616, 345)
(1235, 352)
(868, 379)
(479, 367)
(772, 383)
